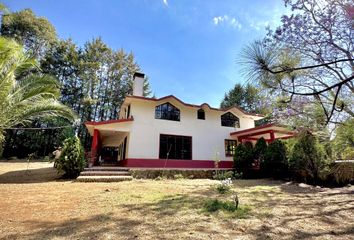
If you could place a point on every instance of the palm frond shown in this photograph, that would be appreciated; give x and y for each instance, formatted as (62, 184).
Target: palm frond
(29, 97)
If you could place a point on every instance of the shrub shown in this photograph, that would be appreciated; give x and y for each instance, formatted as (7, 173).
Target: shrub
(224, 187)
(307, 158)
(343, 144)
(243, 159)
(215, 205)
(343, 172)
(275, 162)
(160, 178)
(72, 160)
(222, 175)
(178, 176)
(260, 148)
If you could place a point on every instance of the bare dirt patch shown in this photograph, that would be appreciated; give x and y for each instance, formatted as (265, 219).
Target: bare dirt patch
(39, 206)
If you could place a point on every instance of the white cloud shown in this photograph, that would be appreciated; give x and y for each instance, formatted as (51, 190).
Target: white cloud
(165, 2)
(260, 25)
(231, 21)
(261, 19)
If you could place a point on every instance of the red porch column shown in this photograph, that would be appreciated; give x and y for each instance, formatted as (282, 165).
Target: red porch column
(96, 146)
(272, 136)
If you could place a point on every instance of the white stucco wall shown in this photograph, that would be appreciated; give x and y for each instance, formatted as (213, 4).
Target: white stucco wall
(207, 135)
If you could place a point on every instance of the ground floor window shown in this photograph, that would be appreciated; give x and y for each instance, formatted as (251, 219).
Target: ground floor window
(175, 147)
(230, 147)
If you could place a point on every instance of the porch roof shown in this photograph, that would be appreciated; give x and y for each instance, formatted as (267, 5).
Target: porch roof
(109, 127)
(269, 132)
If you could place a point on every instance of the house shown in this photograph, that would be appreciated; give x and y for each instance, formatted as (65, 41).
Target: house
(167, 132)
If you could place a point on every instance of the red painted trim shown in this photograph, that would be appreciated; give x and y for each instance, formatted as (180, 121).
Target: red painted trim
(255, 139)
(255, 128)
(256, 133)
(272, 136)
(110, 121)
(269, 140)
(194, 105)
(170, 163)
(252, 132)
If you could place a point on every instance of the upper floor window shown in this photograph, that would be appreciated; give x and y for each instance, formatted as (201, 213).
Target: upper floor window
(128, 112)
(201, 114)
(167, 111)
(230, 120)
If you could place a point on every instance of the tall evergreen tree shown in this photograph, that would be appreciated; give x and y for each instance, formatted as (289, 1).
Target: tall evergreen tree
(35, 33)
(246, 97)
(94, 79)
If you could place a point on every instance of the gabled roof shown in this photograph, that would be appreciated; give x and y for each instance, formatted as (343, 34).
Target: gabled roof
(258, 116)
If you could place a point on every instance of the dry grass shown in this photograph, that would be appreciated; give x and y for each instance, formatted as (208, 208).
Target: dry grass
(33, 205)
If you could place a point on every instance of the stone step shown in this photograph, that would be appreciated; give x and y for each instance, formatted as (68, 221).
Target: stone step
(105, 173)
(103, 178)
(109, 165)
(113, 169)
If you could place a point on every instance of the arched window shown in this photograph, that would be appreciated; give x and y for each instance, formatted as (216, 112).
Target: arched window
(167, 111)
(230, 120)
(201, 114)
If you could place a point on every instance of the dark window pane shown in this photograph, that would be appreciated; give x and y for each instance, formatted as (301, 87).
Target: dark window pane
(175, 147)
(201, 114)
(230, 147)
(167, 111)
(230, 120)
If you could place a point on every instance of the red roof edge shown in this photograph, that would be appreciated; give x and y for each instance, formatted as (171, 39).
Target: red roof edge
(257, 128)
(194, 105)
(109, 121)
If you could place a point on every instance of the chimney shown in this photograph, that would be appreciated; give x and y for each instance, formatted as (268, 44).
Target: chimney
(138, 85)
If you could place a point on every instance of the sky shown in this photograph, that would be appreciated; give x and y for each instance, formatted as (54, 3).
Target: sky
(187, 48)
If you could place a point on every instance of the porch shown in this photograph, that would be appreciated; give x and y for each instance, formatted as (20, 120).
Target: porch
(269, 132)
(109, 141)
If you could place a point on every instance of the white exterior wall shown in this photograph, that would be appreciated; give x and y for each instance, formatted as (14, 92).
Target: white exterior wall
(207, 135)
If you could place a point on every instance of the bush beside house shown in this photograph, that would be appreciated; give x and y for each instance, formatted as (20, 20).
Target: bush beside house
(303, 159)
(308, 159)
(72, 160)
(243, 159)
(275, 162)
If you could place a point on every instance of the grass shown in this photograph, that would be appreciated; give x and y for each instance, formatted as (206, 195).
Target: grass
(36, 204)
(223, 188)
(228, 207)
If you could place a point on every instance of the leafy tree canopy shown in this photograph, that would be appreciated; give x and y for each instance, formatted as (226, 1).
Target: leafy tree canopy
(309, 55)
(94, 79)
(35, 33)
(344, 140)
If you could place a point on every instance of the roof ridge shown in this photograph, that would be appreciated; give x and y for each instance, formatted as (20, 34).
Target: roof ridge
(195, 105)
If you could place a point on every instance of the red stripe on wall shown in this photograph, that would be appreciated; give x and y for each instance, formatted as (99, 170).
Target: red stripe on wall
(162, 163)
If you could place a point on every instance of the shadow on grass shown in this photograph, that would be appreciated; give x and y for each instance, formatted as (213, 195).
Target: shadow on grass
(91, 228)
(37, 175)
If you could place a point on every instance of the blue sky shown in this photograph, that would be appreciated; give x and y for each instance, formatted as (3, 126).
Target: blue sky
(187, 48)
